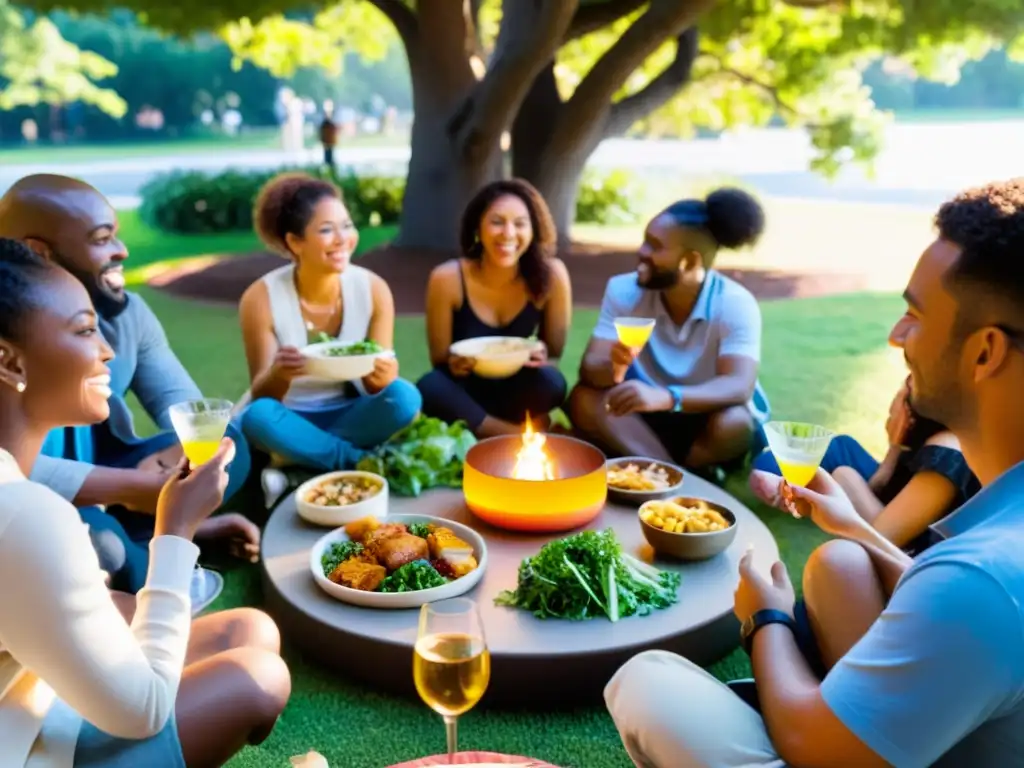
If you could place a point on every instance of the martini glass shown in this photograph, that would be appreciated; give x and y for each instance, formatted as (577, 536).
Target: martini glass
(634, 332)
(200, 426)
(798, 448)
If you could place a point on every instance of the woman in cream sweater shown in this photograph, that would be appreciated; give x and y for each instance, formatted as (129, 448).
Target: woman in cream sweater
(80, 686)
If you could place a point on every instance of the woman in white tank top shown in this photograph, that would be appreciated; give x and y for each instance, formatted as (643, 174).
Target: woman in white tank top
(316, 423)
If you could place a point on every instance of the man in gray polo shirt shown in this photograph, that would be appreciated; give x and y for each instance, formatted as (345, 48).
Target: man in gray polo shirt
(690, 394)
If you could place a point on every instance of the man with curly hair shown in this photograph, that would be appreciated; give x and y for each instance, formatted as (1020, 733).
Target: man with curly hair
(70, 223)
(937, 676)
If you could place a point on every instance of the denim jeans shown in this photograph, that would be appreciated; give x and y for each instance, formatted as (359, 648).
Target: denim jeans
(331, 439)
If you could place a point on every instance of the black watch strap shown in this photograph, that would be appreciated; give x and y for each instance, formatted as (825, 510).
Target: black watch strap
(763, 619)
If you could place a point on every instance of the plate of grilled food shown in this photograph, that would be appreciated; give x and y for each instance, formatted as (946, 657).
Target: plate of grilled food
(403, 561)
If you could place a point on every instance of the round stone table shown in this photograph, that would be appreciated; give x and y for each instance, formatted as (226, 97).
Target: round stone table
(541, 663)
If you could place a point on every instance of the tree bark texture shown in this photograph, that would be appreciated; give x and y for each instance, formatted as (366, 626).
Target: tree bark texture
(459, 120)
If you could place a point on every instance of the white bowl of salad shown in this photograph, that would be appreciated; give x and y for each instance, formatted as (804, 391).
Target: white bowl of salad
(338, 498)
(342, 360)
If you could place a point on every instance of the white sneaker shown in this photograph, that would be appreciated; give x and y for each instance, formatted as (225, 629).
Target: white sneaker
(275, 483)
(206, 587)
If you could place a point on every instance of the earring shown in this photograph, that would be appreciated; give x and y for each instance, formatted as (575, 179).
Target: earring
(20, 387)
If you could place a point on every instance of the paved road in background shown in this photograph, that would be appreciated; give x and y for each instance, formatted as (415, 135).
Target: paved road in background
(921, 165)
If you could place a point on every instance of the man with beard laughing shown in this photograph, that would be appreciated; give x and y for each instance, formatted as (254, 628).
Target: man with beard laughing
(69, 222)
(690, 394)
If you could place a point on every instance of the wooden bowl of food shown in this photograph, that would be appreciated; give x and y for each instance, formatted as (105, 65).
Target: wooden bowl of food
(339, 498)
(634, 479)
(687, 528)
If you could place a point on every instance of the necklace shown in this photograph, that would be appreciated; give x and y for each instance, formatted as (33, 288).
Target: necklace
(322, 313)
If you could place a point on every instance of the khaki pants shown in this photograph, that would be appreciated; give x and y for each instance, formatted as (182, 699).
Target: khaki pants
(670, 713)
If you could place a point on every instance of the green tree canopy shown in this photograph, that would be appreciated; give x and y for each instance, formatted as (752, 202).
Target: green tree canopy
(38, 66)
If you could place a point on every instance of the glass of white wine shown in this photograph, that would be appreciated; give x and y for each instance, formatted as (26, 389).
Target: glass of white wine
(451, 665)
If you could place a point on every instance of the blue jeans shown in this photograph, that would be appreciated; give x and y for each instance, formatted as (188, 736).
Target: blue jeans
(843, 451)
(331, 439)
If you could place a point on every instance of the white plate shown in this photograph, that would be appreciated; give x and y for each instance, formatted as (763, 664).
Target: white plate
(332, 517)
(320, 365)
(494, 366)
(401, 599)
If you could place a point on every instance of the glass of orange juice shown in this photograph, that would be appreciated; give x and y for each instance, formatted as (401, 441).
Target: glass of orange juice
(451, 664)
(634, 331)
(200, 426)
(798, 448)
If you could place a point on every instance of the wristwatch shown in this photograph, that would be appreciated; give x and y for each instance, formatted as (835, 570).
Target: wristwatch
(761, 619)
(677, 399)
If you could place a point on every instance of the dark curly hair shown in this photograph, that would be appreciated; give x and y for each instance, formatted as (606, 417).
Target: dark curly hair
(285, 206)
(534, 264)
(23, 276)
(987, 224)
(733, 218)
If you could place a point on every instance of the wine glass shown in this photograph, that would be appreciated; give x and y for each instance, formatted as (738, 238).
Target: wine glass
(451, 664)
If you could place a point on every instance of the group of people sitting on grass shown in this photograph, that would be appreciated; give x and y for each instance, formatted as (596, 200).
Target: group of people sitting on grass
(102, 663)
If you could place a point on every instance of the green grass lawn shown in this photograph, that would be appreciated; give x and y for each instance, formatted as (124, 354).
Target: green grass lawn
(825, 360)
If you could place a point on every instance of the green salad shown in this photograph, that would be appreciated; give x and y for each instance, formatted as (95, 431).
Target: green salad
(367, 347)
(426, 454)
(588, 575)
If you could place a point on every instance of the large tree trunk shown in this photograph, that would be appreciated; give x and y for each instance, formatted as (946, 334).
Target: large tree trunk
(536, 160)
(440, 183)
(552, 140)
(459, 119)
(441, 177)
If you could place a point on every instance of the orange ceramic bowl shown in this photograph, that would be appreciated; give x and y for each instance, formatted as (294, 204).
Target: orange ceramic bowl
(574, 498)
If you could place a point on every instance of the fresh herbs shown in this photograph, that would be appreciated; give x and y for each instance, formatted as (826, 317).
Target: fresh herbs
(587, 575)
(427, 454)
(419, 529)
(338, 553)
(367, 347)
(412, 577)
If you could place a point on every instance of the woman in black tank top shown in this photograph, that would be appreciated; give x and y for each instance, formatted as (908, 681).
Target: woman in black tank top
(508, 241)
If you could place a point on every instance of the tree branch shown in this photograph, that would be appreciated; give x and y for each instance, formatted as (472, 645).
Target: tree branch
(594, 16)
(401, 16)
(530, 35)
(768, 90)
(656, 93)
(586, 111)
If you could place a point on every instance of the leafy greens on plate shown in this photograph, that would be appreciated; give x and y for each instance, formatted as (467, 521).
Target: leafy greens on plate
(588, 575)
(427, 454)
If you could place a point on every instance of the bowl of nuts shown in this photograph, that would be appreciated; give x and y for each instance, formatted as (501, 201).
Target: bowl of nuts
(687, 528)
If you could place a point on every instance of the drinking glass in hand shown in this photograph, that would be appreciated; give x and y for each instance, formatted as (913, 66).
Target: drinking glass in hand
(451, 664)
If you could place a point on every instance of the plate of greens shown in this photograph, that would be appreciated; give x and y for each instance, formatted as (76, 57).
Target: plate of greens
(342, 360)
(429, 453)
(402, 561)
(588, 575)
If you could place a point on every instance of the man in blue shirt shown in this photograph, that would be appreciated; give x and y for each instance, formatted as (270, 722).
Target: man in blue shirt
(938, 678)
(72, 224)
(688, 394)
